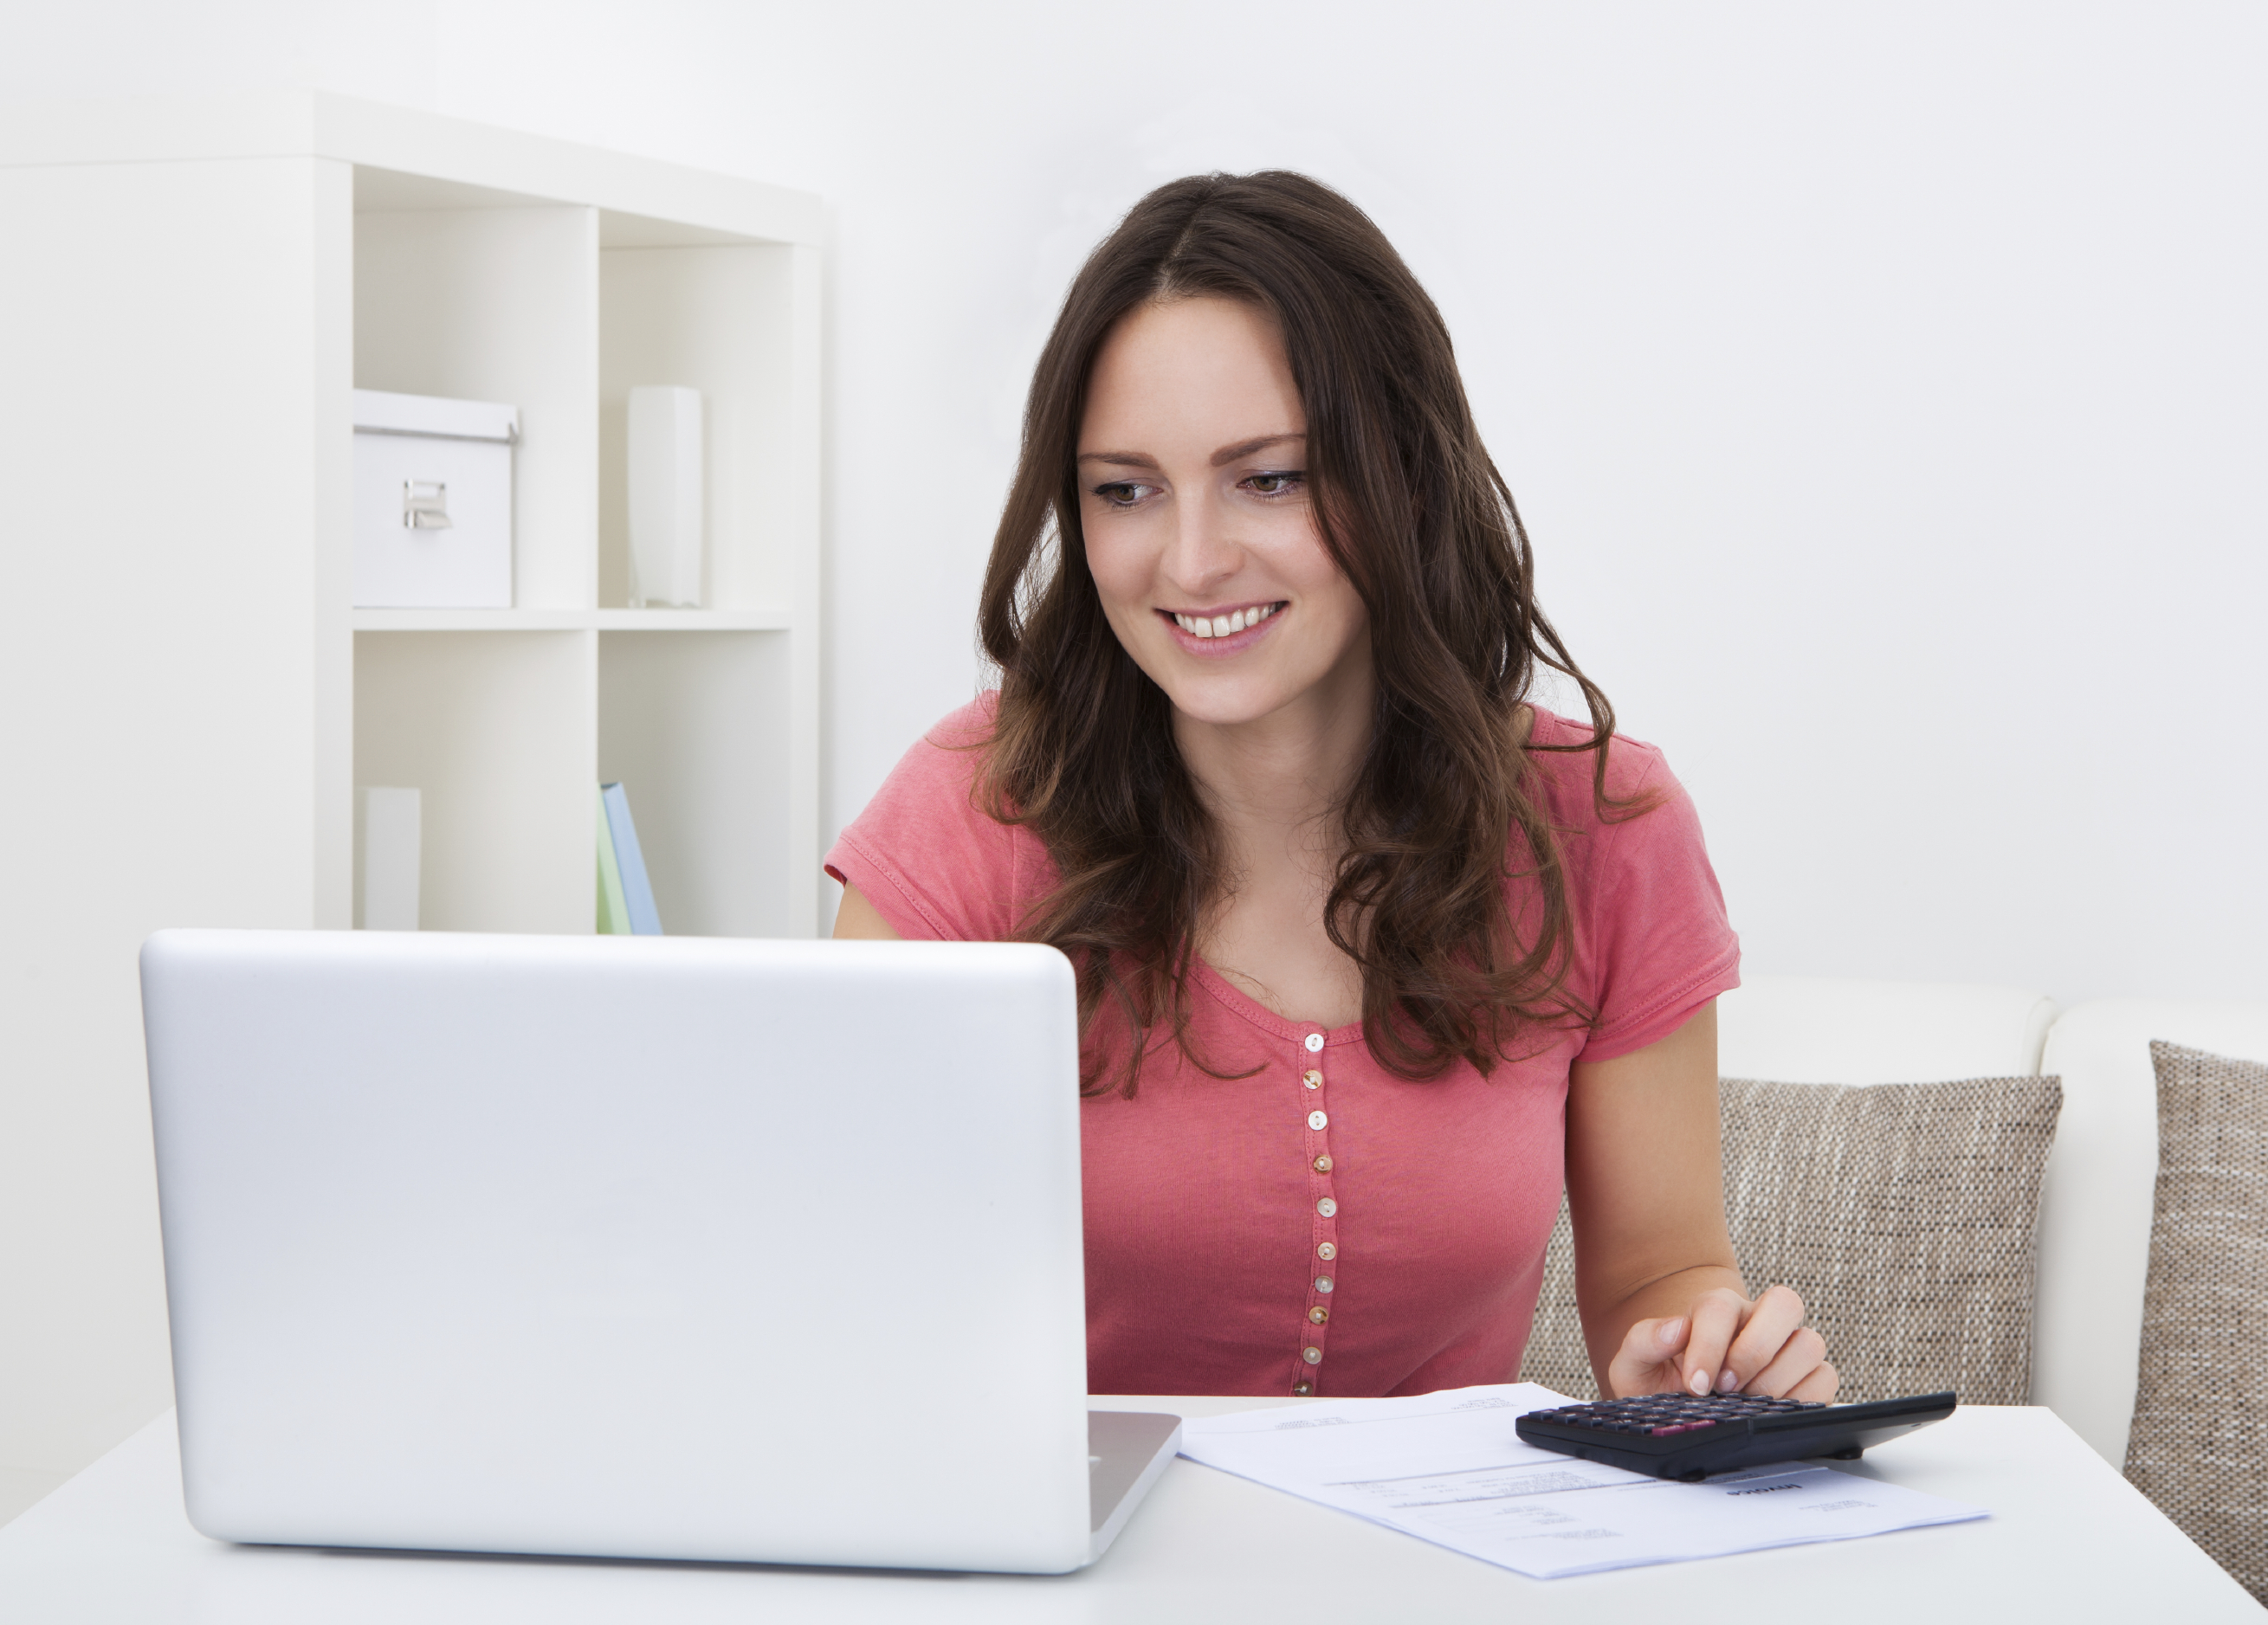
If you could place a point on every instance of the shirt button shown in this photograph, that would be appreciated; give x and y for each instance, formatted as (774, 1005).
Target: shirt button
(1303, 1389)
(1324, 1283)
(1313, 1356)
(1315, 1043)
(1323, 1163)
(1312, 1078)
(1326, 1250)
(1319, 1314)
(1327, 1207)
(1318, 1119)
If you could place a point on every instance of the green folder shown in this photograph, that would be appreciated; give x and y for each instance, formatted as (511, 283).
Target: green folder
(613, 911)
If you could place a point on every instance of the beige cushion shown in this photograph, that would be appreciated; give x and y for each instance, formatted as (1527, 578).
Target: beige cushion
(1903, 1212)
(2199, 1443)
(2094, 1208)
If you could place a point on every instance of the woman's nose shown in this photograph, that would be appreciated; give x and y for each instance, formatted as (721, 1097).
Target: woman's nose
(1204, 554)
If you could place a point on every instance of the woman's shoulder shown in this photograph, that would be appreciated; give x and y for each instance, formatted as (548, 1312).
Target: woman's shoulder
(1636, 772)
(966, 729)
(926, 851)
(1652, 942)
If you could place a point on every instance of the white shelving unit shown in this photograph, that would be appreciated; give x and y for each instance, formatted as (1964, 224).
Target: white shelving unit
(190, 290)
(468, 283)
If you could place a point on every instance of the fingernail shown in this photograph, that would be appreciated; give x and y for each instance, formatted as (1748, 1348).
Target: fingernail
(1700, 1382)
(1672, 1332)
(1727, 1381)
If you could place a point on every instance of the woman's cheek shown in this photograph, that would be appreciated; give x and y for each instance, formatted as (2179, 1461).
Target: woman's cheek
(1114, 564)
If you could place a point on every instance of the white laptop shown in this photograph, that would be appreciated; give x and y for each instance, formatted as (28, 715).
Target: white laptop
(632, 1246)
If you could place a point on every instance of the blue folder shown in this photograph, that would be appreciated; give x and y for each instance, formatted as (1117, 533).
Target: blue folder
(638, 890)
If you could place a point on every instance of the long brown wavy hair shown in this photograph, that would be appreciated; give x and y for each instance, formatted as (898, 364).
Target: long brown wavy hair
(1446, 804)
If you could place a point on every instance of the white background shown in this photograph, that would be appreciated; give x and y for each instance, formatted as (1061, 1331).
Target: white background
(1883, 384)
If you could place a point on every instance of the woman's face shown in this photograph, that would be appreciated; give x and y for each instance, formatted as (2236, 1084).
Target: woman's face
(1200, 533)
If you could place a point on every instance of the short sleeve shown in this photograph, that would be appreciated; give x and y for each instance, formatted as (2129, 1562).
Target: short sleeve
(932, 863)
(1652, 939)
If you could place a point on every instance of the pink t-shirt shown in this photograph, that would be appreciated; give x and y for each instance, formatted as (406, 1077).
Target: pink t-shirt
(1220, 1258)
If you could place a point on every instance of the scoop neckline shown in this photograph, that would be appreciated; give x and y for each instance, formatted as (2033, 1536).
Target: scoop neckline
(1241, 1004)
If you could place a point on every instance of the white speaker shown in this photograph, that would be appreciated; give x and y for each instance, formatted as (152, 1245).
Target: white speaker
(665, 495)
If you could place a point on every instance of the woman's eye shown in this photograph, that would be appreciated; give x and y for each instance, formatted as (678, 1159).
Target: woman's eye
(1122, 493)
(1275, 484)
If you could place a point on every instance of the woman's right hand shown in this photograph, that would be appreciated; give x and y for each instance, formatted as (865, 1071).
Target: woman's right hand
(1726, 1343)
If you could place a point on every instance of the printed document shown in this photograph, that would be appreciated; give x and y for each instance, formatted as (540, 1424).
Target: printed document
(1448, 1467)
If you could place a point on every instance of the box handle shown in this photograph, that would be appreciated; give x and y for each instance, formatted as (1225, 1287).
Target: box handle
(425, 506)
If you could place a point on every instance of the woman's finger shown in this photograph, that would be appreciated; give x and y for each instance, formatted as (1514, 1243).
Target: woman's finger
(1716, 1317)
(1648, 1348)
(1819, 1387)
(1803, 1353)
(1656, 1340)
(1769, 1325)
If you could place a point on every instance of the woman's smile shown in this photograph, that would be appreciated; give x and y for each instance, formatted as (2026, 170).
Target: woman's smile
(1215, 633)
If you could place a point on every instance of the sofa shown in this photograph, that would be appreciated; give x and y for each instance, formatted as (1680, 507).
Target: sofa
(2096, 1200)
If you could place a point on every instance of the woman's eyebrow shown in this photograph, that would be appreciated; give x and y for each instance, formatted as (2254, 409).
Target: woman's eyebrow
(1246, 448)
(1226, 454)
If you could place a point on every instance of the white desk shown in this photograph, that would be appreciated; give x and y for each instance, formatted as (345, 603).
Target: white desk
(2068, 1541)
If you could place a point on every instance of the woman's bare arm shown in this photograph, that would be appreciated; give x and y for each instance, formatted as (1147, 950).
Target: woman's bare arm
(859, 921)
(1662, 1301)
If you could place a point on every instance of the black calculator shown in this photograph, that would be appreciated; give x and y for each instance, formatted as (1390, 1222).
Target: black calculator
(1688, 1437)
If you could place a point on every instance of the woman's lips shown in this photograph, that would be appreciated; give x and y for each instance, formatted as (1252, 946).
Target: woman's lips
(1223, 645)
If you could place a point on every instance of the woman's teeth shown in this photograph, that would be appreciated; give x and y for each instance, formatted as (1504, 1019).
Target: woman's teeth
(1221, 626)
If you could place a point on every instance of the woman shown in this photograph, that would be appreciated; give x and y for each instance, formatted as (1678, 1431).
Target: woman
(1370, 949)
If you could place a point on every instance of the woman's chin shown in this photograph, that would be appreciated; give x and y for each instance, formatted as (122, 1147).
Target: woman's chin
(1228, 701)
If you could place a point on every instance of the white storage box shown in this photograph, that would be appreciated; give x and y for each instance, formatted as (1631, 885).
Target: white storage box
(433, 501)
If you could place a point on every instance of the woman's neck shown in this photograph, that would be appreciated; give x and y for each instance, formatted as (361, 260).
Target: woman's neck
(1275, 787)
(1275, 783)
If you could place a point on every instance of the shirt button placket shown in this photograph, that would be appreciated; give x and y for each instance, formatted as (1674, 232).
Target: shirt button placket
(1306, 1366)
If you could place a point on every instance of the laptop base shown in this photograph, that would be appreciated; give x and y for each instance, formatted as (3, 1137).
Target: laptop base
(1127, 1453)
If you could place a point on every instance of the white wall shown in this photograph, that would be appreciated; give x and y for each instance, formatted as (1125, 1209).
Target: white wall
(1883, 384)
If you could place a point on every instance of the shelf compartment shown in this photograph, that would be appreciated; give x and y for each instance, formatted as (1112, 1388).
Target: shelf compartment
(697, 727)
(498, 304)
(495, 730)
(721, 319)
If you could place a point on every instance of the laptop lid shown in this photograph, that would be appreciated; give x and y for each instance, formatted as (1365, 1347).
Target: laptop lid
(658, 1247)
